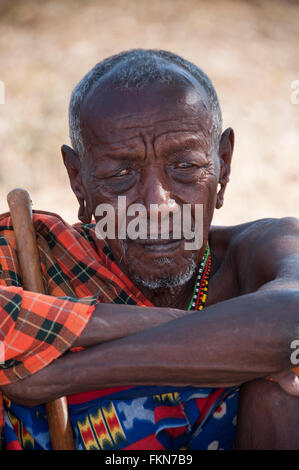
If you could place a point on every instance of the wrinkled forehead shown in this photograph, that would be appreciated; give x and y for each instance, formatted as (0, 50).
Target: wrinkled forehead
(157, 107)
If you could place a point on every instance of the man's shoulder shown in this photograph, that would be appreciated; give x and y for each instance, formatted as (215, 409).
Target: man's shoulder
(50, 227)
(38, 215)
(256, 230)
(256, 248)
(50, 219)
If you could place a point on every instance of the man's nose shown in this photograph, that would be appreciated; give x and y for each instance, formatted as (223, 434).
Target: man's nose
(157, 198)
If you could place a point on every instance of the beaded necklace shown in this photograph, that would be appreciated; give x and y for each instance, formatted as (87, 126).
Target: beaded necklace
(200, 290)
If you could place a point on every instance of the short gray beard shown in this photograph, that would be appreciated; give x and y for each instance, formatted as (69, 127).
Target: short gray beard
(177, 280)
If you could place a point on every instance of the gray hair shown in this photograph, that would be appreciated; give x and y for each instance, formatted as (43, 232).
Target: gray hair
(137, 68)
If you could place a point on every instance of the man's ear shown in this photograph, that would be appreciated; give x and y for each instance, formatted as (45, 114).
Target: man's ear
(226, 147)
(73, 165)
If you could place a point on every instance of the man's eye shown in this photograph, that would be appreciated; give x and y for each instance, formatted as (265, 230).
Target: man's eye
(184, 165)
(123, 172)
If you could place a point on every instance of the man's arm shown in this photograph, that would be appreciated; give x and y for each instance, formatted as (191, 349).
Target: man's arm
(114, 321)
(227, 344)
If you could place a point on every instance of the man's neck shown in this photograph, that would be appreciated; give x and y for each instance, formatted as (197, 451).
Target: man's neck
(177, 297)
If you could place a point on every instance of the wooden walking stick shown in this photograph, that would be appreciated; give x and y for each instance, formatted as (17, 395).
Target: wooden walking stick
(20, 210)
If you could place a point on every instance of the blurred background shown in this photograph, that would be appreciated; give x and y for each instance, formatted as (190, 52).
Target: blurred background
(250, 50)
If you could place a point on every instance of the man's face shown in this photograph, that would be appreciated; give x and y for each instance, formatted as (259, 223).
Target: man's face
(153, 146)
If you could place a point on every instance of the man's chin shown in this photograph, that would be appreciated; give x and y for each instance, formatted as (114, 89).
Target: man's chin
(166, 279)
(157, 268)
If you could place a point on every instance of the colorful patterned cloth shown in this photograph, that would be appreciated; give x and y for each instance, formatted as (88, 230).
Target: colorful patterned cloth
(79, 271)
(145, 418)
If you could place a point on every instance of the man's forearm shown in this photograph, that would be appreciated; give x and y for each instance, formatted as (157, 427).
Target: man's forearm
(114, 321)
(227, 344)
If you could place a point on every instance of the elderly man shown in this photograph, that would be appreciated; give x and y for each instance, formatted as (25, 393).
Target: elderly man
(146, 125)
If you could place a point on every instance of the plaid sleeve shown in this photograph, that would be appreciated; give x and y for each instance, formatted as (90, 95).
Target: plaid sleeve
(35, 328)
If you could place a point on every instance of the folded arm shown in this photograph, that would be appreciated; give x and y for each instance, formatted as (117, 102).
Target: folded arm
(227, 344)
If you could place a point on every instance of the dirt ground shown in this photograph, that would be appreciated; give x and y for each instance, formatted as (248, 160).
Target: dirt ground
(250, 50)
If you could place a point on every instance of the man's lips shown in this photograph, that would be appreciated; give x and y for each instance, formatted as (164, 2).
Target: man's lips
(158, 246)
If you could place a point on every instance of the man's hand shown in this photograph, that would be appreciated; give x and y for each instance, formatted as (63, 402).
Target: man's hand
(17, 392)
(288, 381)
